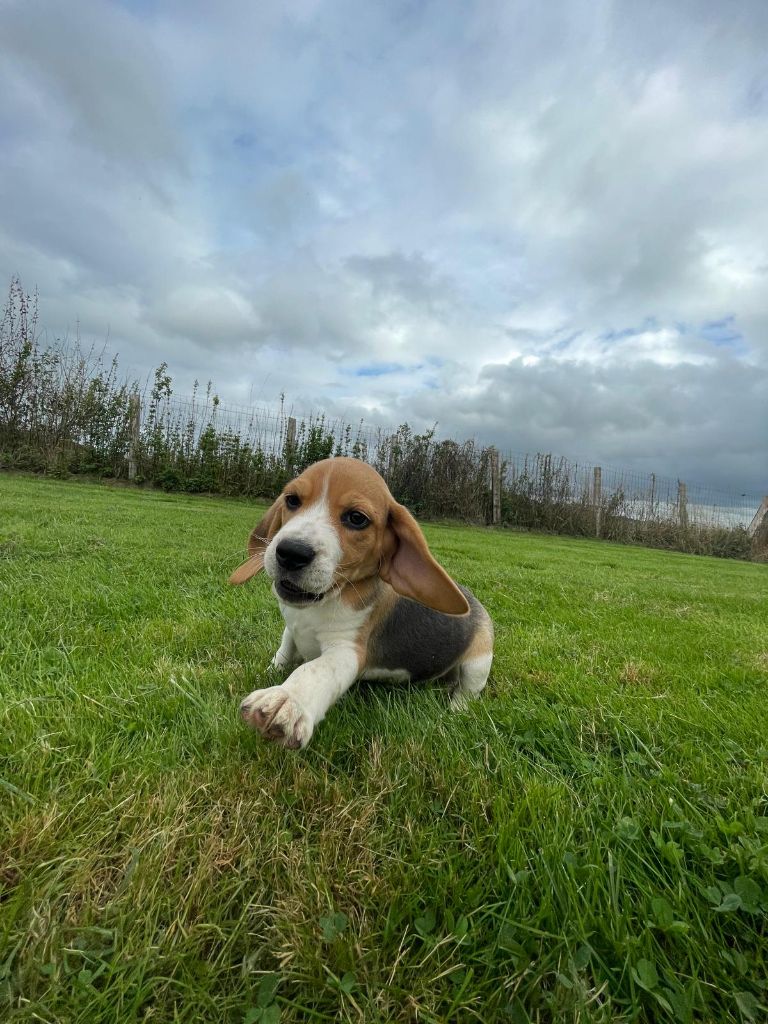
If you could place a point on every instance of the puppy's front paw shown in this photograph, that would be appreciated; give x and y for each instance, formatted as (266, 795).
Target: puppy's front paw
(277, 716)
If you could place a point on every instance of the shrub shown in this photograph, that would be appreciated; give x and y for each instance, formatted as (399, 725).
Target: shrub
(64, 411)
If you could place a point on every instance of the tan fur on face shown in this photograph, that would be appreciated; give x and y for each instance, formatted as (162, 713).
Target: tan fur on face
(356, 617)
(350, 484)
(392, 547)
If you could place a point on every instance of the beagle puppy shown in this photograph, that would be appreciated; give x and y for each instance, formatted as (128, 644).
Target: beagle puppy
(362, 598)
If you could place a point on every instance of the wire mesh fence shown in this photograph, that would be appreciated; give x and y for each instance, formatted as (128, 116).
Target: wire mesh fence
(200, 443)
(565, 496)
(641, 497)
(263, 427)
(65, 411)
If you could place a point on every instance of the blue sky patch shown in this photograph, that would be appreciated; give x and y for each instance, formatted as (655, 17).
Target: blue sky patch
(380, 369)
(649, 324)
(722, 333)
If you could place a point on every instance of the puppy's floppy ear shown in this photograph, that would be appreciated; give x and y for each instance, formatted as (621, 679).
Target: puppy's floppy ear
(260, 537)
(411, 570)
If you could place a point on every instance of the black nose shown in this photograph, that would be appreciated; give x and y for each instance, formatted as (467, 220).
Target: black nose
(294, 554)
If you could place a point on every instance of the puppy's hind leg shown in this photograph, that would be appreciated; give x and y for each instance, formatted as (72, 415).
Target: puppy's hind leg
(471, 677)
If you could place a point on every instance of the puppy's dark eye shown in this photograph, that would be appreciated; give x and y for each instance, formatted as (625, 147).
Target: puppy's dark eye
(355, 519)
(292, 501)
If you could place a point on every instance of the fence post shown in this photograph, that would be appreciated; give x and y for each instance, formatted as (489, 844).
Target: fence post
(652, 509)
(597, 497)
(682, 503)
(290, 442)
(546, 478)
(290, 437)
(134, 422)
(494, 470)
(759, 517)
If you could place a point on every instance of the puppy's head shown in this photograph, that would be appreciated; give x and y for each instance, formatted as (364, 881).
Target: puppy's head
(337, 525)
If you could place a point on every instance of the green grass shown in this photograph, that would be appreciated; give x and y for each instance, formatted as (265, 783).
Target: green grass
(588, 842)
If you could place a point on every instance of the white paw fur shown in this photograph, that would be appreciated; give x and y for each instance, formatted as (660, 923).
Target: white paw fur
(277, 716)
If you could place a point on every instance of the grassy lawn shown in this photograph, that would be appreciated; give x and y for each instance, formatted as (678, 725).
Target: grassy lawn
(588, 842)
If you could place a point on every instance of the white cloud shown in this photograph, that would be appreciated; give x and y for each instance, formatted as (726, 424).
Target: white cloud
(544, 225)
(91, 73)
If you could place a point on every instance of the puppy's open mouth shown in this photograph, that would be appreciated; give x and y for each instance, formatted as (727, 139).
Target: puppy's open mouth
(295, 595)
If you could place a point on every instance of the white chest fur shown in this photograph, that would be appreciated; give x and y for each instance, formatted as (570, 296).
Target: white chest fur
(315, 629)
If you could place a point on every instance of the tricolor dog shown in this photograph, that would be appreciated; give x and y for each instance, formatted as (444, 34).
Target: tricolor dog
(362, 598)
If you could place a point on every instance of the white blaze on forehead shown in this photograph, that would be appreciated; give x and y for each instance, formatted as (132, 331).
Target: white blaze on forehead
(312, 525)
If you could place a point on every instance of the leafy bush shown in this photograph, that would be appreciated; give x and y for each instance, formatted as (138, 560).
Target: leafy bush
(66, 411)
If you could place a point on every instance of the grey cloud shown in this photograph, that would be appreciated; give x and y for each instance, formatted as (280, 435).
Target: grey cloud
(482, 193)
(709, 422)
(209, 316)
(409, 279)
(92, 176)
(97, 68)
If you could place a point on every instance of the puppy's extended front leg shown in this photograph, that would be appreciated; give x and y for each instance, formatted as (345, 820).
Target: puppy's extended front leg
(289, 713)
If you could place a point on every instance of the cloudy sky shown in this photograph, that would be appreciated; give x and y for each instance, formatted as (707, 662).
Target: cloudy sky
(541, 224)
